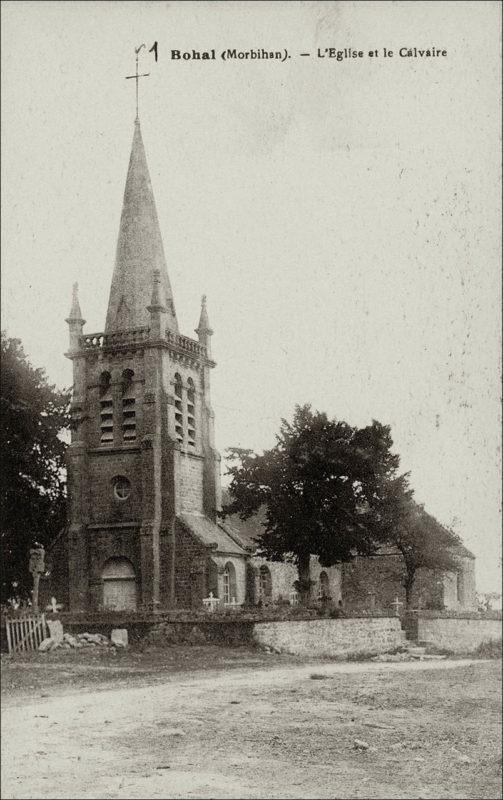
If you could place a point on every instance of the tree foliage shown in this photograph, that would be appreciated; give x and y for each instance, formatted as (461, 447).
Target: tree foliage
(320, 489)
(422, 541)
(333, 490)
(32, 495)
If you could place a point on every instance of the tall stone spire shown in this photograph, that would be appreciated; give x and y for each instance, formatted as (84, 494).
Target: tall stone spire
(139, 252)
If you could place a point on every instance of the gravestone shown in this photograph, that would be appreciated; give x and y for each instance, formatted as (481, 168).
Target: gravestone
(55, 630)
(119, 637)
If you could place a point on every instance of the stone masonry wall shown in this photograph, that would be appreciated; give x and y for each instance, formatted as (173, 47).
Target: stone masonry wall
(331, 637)
(283, 575)
(190, 483)
(104, 506)
(461, 635)
(190, 569)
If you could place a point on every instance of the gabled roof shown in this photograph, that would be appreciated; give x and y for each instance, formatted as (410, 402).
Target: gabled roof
(139, 252)
(245, 531)
(211, 533)
(463, 551)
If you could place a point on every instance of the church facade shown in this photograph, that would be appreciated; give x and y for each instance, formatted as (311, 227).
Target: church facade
(144, 490)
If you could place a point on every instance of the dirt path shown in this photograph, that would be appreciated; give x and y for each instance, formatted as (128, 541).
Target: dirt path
(253, 733)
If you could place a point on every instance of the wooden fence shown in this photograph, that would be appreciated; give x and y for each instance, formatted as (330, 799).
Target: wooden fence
(25, 632)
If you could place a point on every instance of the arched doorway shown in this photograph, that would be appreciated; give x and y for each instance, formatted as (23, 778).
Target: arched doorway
(119, 585)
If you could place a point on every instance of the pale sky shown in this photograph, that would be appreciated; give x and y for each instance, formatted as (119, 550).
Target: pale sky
(341, 216)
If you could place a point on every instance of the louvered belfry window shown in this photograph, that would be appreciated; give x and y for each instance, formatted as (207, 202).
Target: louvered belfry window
(128, 407)
(106, 409)
(191, 413)
(178, 408)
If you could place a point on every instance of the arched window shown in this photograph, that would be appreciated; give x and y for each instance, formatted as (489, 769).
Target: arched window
(265, 583)
(178, 408)
(324, 586)
(459, 586)
(128, 407)
(191, 416)
(106, 409)
(119, 585)
(229, 584)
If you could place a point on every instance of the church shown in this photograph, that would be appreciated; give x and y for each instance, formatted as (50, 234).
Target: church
(144, 491)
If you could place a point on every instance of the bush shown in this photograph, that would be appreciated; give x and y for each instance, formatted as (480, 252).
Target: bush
(490, 649)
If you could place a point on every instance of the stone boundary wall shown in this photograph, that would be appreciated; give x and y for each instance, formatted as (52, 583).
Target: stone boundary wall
(331, 637)
(458, 634)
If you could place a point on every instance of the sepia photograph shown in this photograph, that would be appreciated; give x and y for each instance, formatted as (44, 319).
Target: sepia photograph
(251, 399)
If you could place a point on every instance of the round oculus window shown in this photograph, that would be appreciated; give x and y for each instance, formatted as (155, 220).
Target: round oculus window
(122, 488)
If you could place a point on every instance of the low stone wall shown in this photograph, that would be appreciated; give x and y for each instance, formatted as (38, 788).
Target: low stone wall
(458, 634)
(331, 637)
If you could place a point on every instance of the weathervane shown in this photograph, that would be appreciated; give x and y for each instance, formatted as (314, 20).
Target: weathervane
(137, 76)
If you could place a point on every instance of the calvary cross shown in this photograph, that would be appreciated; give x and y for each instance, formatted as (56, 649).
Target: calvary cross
(137, 76)
(396, 603)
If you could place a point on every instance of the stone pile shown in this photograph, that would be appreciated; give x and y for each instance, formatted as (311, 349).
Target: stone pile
(69, 642)
(412, 653)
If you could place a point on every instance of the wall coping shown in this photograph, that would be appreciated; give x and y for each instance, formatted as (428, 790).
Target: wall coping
(194, 618)
(473, 615)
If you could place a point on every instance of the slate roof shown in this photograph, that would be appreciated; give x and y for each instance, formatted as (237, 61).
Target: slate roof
(247, 531)
(211, 533)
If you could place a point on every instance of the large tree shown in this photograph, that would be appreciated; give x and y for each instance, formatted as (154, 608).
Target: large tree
(422, 541)
(32, 495)
(318, 488)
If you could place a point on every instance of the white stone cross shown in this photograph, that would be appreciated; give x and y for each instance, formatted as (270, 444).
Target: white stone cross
(396, 603)
(211, 602)
(54, 606)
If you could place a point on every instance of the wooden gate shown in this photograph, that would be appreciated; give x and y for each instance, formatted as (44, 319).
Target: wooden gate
(25, 632)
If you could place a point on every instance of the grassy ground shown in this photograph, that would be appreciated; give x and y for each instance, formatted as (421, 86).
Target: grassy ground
(216, 722)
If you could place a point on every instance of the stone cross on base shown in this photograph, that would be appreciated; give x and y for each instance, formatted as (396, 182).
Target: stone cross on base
(210, 602)
(396, 603)
(54, 606)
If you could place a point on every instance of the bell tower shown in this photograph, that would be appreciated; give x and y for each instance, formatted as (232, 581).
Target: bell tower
(142, 450)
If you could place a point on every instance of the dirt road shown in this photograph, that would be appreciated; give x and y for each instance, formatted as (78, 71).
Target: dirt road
(281, 732)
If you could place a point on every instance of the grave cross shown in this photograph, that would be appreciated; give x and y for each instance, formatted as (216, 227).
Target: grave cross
(137, 76)
(54, 606)
(211, 602)
(396, 603)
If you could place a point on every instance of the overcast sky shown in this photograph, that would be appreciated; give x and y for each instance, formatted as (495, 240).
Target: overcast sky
(341, 216)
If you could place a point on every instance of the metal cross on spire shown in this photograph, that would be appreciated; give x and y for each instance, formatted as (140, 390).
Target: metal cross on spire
(137, 76)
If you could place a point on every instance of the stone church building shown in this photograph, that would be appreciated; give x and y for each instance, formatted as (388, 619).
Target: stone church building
(144, 490)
